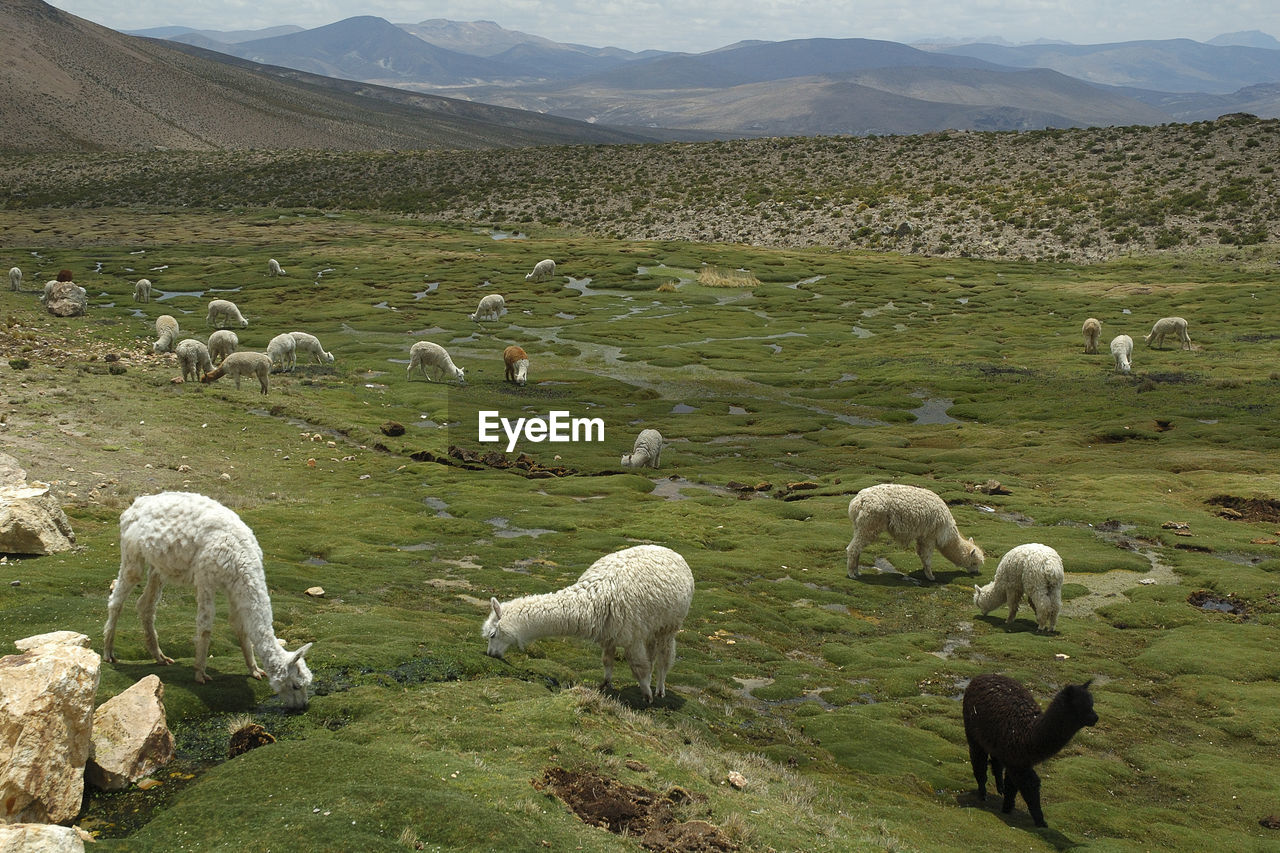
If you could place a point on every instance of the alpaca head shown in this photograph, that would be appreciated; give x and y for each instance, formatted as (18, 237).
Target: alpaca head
(977, 598)
(973, 556)
(291, 684)
(500, 639)
(1079, 703)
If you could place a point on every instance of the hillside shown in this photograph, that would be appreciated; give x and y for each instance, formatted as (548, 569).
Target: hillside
(82, 87)
(1069, 194)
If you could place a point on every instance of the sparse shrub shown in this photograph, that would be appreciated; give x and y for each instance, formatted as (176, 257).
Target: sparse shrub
(19, 363)
(717, 277)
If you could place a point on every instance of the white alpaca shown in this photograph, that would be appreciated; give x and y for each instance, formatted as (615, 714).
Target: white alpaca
(224, 312)
(166, 333)
(273, 267)
(1122, 352)
(222, 343)
(1168, 326)
(542, 270)
(193, 358)
(284, 349)
(186, 538)
(310, 345)
(425, 354)
(1092, 330)
(142, 290)
(1033, 570)
(636, 598)
(15, 278)
(491, 307)
(909, 514)
(242, 363)
(645, 452)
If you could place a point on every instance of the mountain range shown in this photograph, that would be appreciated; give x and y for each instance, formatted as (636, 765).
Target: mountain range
(803, 86)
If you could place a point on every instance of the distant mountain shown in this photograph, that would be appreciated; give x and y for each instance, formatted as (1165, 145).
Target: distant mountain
(83, 87)
(1246, 38)
(372, 49)
(1175, 65)
(216, 36)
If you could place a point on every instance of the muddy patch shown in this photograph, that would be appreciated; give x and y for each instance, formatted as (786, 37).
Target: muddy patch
(1110, 587)
(1212, 601)
(633, 811)
(1262, 510)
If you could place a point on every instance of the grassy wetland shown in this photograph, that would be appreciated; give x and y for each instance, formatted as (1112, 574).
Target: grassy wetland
(821, 372)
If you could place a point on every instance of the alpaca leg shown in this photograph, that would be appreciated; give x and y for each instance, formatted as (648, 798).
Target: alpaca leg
(667, 656)
(1029, 785)
(607, 658)
(1014, 598)
(925, 550)
(641, 668)
(1012, 782)
(246, 647)
(978, 760)
(147, 616)
(130, 574)
(204, 630)
(853, 551)
(998, 771)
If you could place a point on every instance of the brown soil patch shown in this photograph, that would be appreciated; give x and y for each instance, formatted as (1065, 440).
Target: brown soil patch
(1263, 510)
(634, 811)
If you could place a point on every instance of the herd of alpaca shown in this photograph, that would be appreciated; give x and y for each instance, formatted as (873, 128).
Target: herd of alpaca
(636, 598)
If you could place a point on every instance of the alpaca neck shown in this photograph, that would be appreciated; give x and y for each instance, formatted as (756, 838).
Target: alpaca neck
(1052, 730)
(988, 598)
(253, 605)
(956, 549)
(553, 614)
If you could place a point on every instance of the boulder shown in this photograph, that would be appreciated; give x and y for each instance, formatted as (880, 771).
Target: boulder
(32, 521)
(39, 838)
(66, 299)
(130, 737)
(46, 718)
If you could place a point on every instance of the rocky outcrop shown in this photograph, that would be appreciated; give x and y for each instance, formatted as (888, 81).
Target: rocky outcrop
(130, 737)
(32, 521)
(40, 838)
(66, 299)
(46, 717)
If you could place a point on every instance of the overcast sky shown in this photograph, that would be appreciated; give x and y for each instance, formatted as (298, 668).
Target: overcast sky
(699, 25)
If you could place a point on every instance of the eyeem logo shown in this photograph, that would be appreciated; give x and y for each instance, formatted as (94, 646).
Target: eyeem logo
(558, 426)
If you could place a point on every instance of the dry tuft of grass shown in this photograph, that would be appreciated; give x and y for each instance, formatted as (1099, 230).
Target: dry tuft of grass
(716, 277)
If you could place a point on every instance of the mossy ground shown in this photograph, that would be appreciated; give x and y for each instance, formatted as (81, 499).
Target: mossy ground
(836, 698)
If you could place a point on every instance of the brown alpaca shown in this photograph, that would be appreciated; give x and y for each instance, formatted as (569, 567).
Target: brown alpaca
(517, 364)
(1092, 330)
(1003, 723)
(242, 363)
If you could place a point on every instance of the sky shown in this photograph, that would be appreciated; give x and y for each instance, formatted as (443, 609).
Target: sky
(699, 25)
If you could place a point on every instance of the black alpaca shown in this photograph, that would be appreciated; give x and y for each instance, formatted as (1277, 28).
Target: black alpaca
(1003, 722)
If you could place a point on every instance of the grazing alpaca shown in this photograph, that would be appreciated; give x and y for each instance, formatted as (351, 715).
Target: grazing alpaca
(636, 598)
(1168, 326)
(142, 290)
(517, 362)
(1033, 570)
(1122, 352)
(426, 355)
(273, 267)
(186, 538)
(166, 333)
(15, 278)
(242, 363)
(542, 270)
(909, 514)
(1003, 723)
(1092, 330)
(646, 452)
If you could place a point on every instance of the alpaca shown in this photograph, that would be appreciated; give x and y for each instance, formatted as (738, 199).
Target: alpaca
(646, 451)
(309, 344)
(274, 268)
(425, 354)
(222, 343)
(491, 307)
(142, 290)
(284, 349)
(1003, 723)
(187, 538)
(1168, 326)
(542, 270)
(636, 598)
(222, 312)
(15, 278)
(909, 514)
(517, 364)
(1032, 569)
(193, 358)
(1122, 352)
(1092, 332)
(242, 363)
(166, 333)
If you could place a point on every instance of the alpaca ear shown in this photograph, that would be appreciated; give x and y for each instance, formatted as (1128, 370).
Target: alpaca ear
(1087, 683)
(297, 656)
(496, 607)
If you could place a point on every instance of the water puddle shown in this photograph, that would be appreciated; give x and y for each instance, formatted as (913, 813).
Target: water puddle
(860, 332)
(441, 508)
(498, 234)
(1206, 600)
(563, 316)
(871, 312)
(737, 410)
(432, 287)
(503, 530)
(670, 489)
(582, 286)
(682, 409)
(933, 410)
(418, 546)
(384, 305)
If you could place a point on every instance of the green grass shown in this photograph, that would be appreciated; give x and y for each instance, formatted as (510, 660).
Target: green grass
(836, 698)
